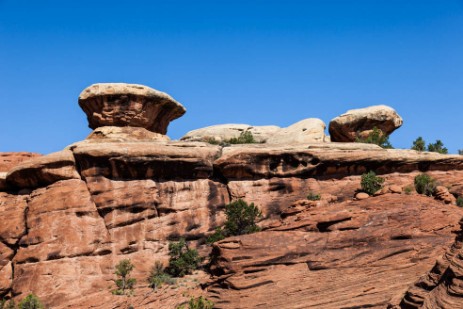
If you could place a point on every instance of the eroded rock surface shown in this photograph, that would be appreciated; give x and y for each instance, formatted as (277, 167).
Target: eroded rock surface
(119, 104)
(358, 123)
(72, 216)
(348, 255)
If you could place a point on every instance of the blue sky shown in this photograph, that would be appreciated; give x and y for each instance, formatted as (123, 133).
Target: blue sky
(255, 62)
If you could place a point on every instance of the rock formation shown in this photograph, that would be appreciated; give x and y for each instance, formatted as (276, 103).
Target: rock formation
(69, 217)
(132, 105)
(358, 123)
(304, 131)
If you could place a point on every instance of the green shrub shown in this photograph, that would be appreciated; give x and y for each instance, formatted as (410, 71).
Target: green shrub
(376, 136)
(313, 197)
(419, 144)
(425, 184)
(438, 147)
(30, 302)
(460, 152)
(241, 219)
(124, 283)
(183, 260)
(2, 303)
(218, 235)
(11, 305)
(245, 137)
(198, 303)
(408, 190)
(371, 183)
(460, 201)
(158, 276)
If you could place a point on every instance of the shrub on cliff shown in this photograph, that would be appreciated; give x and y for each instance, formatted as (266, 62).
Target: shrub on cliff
(245, 137)
(158, 276)
(460, 152)
(376, 136)
(460, 201)
(371, 183)
(438, 147)
(198, 303)
(183, 260)
(241, 219)
(425, 184)
(419, 144)
(124, 283)
(313, 197)
(30, 302)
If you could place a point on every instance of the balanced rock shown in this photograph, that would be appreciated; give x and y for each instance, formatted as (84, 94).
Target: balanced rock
(360, 122)
(121, 105)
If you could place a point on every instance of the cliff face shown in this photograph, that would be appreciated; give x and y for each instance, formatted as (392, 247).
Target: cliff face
(68, 218)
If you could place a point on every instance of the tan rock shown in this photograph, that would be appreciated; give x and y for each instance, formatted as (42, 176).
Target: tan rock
(124, 134)
(44, 170)
(395, 189)
(443, 194)
(6, 278)
(305, 131)
(12, 208)
(361, 196)
(119, 104)
(348, 126)
(224, 132)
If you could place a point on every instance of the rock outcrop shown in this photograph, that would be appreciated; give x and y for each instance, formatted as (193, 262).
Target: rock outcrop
(69, 217)
(358, 123)
(304, 131)
(121, 105)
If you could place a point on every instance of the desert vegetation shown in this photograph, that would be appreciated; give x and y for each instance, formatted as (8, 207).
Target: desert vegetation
(371, 183)
(124, 283)
(245, 137)
(31, 301)
(376, 136)
(241, 219)
(183, 260)
(158, 276)
(425, 184)
(198, 303)
(420, 145)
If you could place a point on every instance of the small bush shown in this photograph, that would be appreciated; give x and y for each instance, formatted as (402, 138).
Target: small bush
(460, 152)
(313, 197)
(419, 144)
(218, 235)
(245, 137)
(425, 184)
(460, 201)
(371, 183)
(183, 260)
(241, 220)
(158, 276)
(438, 147)
(124, 283)
(10, 305)
(376, 136)
(198, 303)
(408, 190)
(30, 302)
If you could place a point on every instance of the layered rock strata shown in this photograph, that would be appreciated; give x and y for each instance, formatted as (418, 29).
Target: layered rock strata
(82, 210)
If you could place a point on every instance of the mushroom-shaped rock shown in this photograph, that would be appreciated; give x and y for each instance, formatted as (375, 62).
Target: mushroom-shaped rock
(122, 105)
(360, 122)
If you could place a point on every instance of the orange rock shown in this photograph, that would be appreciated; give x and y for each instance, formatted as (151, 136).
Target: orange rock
(362, 196)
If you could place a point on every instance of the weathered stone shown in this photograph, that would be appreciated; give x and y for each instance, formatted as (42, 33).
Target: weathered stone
(361, 196)
(12, 208)
(326, 160)
(305, 131)
(143, 160)
(443, 194)
(360, 122)
(6, 278)
(225, 132)
(354, 254)
(8, 160)
(124, 134)
(121, 105)
(44, 170)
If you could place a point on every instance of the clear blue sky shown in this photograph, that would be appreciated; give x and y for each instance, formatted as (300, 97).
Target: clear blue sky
(255, 62)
